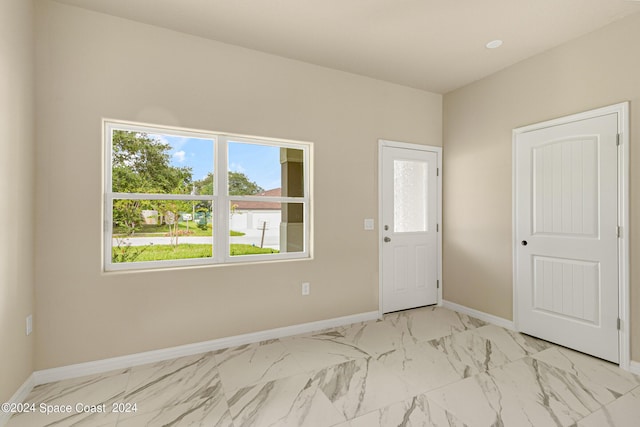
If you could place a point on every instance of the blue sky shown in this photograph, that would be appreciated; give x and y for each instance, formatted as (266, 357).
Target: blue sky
(259, 162)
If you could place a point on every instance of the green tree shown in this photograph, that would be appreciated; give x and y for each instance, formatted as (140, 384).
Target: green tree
(141, 164)
(239, 185)
(205, 185)
(171, 210)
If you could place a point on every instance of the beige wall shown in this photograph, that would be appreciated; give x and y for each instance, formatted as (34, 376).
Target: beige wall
(92, 66)
(17, 141)
(596, 70)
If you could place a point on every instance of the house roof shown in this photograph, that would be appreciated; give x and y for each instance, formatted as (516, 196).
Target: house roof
(254, 205)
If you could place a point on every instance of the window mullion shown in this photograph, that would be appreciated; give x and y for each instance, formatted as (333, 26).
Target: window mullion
(107, 231)
(221, 233)
(272, 199)
(155, 196)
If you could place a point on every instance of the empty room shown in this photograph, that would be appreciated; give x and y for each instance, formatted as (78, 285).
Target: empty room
(319, 213)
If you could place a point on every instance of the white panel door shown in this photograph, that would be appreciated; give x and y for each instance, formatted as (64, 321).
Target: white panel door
(566, 235)
(409, 221)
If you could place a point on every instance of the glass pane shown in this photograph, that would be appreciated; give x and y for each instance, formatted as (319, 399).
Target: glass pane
(161, 163)
(154, 230)
(409, 196)
(261, 169)
(265, 227)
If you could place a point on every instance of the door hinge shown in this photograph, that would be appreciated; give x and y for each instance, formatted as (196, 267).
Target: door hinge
(618, 231)
(437, 171)
(437, 228)
(619, 325)
(438, 286)
(618, 139)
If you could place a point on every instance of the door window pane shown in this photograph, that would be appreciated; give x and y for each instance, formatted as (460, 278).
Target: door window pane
(410, 184)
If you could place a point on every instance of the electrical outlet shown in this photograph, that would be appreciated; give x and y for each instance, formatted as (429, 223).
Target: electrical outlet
(306, 288)
(29, 324)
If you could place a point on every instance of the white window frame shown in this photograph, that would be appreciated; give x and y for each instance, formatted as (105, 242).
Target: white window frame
(220, 197)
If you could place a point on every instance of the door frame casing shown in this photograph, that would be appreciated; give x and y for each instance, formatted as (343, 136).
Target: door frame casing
(419, 147)
(622, 111)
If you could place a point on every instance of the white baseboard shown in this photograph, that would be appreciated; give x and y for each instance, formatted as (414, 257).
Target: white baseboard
(634, 367)
(123, 362)
(490, 318)
(18, 397)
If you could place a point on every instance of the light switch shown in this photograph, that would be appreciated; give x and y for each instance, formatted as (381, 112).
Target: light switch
(368, 224)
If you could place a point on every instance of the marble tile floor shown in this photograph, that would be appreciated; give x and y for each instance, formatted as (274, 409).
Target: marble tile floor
(423, 367)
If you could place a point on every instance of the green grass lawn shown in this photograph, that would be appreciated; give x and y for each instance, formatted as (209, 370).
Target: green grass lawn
(153, 230)
(182, 251)
(242, 249)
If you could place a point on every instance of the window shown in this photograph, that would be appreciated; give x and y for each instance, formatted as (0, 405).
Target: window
(176, 197)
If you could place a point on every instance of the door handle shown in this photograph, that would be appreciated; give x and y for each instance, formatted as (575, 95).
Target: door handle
(387, 239)
(524, 243)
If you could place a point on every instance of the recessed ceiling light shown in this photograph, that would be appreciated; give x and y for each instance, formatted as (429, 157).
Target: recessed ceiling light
(493, 44)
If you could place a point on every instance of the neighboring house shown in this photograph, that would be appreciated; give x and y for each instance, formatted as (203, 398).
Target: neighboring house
(252, 215)
(259, 221)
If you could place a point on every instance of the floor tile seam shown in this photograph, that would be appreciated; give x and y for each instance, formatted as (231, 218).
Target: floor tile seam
(309, 377)
(288, 353)
(579, 376)
(503, 389)
(617, 399)
(292, 355)
(314, 371)
(445, 410)
(451, 411)
(387, 371)
(394, 402)
(519, 391)
(452, 333)
(497, 345)
(451, 383)
(390, 372)
(182, 392)
(296, 353)
(474, 366)
(403, 346)
(577, 422)
(354, 345)
(229, 393)
(366, 413)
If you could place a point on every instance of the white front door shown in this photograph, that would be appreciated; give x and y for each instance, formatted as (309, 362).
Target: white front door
(566, 231)
(409, 200)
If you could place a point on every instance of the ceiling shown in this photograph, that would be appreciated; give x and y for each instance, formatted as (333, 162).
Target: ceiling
(435, 45)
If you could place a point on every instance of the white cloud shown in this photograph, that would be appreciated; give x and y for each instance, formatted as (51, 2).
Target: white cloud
(176, 142)
(179, 156)
(235, 167)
